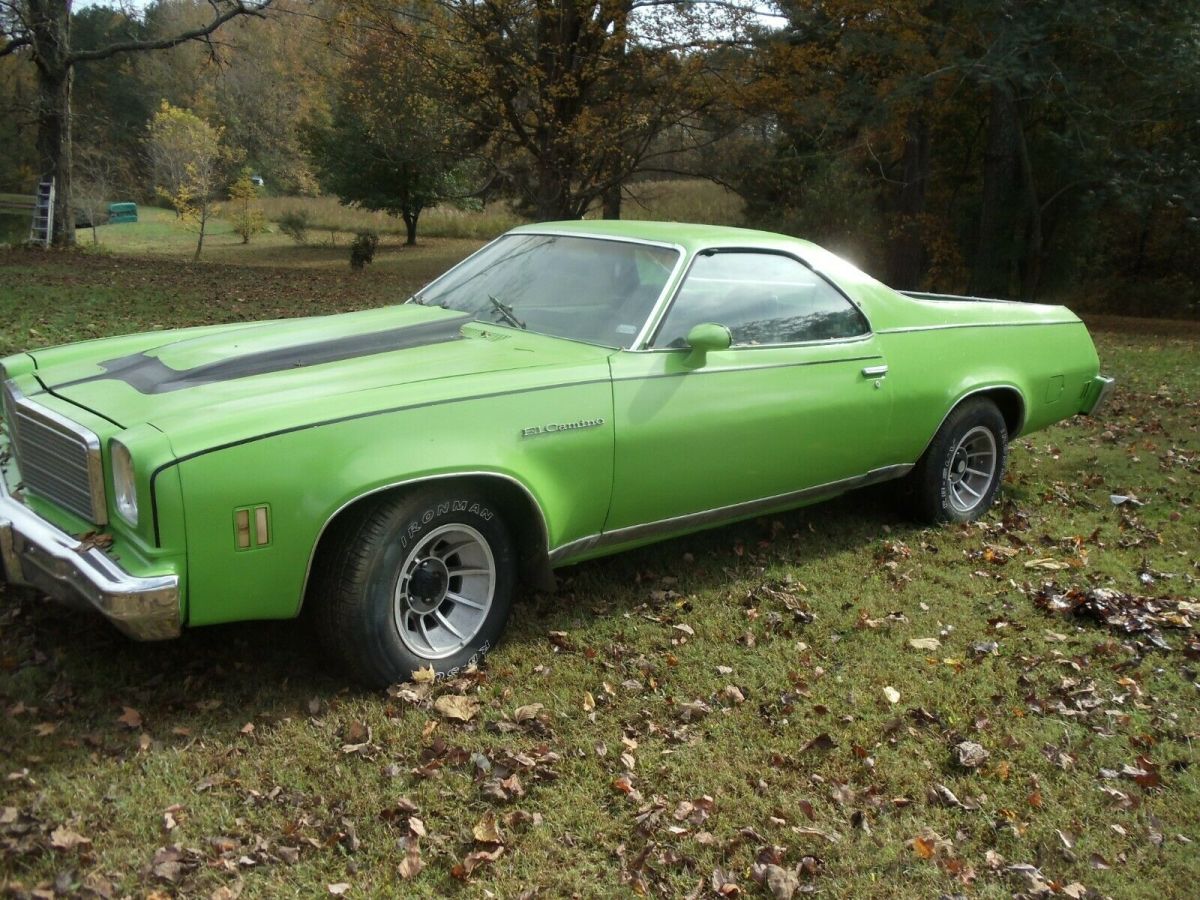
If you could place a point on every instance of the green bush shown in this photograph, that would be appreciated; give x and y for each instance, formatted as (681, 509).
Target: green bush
(362, 249)
(295, 223)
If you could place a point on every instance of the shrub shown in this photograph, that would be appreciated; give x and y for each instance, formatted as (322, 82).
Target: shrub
(295, 223)
(362, 249)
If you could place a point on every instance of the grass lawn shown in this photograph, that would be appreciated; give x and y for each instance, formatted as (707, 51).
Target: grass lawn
(673, 717)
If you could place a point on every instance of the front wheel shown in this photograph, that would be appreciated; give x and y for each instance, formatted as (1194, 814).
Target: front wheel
(416, 580)
(957, 478)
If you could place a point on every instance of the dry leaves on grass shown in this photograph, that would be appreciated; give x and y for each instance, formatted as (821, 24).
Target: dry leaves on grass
(489, 846)
(1126, 613)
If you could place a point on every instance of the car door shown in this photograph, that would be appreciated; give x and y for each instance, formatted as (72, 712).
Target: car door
(798, 400)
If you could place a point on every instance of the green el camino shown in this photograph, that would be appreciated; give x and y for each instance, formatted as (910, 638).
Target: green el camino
(571, 390)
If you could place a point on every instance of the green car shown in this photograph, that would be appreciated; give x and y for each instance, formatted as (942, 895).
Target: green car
(573, 389)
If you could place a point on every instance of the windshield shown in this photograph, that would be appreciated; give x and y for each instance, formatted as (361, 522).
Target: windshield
(586, 289)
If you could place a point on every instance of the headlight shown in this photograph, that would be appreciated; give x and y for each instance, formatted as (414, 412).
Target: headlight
(124, 488)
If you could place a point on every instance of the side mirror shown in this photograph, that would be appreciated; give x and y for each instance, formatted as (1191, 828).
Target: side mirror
(704, 338)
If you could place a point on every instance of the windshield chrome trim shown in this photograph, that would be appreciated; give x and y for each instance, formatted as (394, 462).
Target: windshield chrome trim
(639, 337)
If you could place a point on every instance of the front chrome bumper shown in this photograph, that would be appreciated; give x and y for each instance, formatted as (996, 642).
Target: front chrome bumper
(35, 553)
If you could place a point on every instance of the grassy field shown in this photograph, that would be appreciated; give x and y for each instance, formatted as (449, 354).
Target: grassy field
(159, 232)
(787, 691)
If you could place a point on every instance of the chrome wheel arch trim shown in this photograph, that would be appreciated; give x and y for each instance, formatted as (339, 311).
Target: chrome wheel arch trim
(417, 480)
(1000, 386)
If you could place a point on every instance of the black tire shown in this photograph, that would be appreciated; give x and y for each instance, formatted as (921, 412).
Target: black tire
(940, 488)
(370, 624)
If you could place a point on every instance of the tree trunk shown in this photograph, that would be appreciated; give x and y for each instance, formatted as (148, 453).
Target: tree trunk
(991, 273)
(551, 198)
(906, 254)
(51, 31)
(1035, 241)
(612, 202)
(200, 239)
(410, 227)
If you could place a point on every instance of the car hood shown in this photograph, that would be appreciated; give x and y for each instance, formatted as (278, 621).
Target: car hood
(273, 374)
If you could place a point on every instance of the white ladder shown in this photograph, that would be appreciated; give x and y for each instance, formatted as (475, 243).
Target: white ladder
(41, 231)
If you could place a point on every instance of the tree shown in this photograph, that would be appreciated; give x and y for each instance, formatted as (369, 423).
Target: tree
(95, 180)
(983, 137)
(41, 30)
(571, 97)
(244, 212)
(188, 159)
(391, 143)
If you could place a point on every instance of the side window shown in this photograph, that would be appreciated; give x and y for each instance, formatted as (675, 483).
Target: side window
(762, 298)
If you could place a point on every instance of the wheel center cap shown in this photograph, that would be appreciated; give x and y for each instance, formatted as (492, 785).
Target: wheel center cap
(427, 585)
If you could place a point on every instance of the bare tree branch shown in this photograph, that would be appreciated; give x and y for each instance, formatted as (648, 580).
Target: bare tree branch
(14, 44)
(231, 10)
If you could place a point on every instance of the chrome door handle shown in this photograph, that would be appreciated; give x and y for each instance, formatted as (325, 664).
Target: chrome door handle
(875, 371)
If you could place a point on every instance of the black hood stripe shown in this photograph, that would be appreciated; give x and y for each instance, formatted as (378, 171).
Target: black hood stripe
(150, 375)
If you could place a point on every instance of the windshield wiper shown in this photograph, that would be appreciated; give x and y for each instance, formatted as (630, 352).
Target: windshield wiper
(506, 312)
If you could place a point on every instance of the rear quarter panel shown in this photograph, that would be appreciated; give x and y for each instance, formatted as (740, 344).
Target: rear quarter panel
(940, 352)
(1050, 366)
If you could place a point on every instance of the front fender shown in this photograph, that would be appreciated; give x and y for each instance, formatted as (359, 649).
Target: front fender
(304, 477)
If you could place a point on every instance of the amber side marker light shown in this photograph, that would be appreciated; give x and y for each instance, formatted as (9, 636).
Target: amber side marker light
(252, 526)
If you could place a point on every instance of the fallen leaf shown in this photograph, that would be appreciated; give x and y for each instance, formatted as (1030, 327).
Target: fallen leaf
(929, 643)
(475, 859)
(411, 865)
(781, 882)
(893, 695)
(64, 838)
(456, 706)
(970, 755)
(693, 711)
(130, 718)
(487, 830)
(821, 742)
(424, 676)
(338, 889)
(525, 713)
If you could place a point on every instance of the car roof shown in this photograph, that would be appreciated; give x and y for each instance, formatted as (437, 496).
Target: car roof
(691, 237)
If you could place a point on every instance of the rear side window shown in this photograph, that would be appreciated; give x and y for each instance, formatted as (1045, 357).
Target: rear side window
(763, 299)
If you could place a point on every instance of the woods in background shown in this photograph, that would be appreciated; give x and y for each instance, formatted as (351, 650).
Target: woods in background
(1023, 149)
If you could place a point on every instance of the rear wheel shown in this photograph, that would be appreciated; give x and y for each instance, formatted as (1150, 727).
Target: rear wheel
(957, 478)
(416, 580)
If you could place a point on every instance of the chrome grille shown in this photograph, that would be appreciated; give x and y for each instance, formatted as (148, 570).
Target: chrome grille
(57, 459)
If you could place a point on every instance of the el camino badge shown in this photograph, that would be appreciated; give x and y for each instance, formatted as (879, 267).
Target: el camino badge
(555, 427)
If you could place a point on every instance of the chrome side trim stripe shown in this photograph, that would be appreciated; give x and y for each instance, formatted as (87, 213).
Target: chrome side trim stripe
(565, 553)
(943, 327)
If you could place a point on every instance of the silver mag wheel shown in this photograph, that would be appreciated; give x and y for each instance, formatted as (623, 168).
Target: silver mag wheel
(444, 591)
(415, 579)
(972, 469)
(957, 477)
